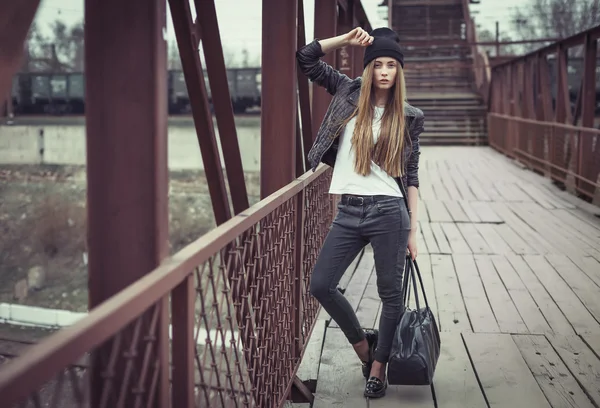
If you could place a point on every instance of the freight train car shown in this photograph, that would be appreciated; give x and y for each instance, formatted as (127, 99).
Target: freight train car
(60, 94)
(244, 88)
(52, 94)
(63, 94)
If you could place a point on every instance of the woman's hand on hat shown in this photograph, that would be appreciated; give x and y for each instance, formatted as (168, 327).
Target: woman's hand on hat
(359, 37)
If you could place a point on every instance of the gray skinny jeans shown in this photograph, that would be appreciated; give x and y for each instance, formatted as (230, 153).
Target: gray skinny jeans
(385, 223)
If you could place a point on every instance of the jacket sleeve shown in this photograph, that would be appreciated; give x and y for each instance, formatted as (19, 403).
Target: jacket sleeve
(319, 72)
(412, 165)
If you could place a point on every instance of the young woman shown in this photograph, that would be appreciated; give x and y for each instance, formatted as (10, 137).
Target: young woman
(370, 136)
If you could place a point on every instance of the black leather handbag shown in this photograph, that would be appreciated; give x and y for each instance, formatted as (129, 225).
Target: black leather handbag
(416, 344)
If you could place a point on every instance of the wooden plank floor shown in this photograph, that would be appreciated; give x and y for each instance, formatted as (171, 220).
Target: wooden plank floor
(511, 265)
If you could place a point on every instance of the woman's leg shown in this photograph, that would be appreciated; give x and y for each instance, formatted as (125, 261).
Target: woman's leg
(342, 245)
(388, 228)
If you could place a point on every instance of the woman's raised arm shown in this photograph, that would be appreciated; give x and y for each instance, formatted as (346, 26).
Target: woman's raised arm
(318, 71)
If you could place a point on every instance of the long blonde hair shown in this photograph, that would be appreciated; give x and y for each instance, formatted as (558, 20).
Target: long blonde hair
(387, 152)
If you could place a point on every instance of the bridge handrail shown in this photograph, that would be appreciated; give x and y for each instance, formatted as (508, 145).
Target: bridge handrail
(481, 68)
(480, 64)
(544, 115)
(565, 126)
(559, 151)
(278, 213)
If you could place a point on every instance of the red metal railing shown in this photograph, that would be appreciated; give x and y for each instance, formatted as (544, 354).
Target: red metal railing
(543, 111)
(240, 312)
(554, 149)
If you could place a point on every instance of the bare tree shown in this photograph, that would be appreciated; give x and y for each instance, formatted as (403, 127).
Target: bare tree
(78, 56)
(38, 55)
(67, 44)
(62, 51)
(174, 61)
(245, 57)
(229, 57)
(554, 19)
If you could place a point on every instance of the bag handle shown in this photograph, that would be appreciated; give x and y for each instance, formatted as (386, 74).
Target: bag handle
(410, 264)
(414, 268)
(410, 279)
(406, 285)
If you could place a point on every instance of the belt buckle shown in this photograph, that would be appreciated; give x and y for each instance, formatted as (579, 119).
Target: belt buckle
(362, 200)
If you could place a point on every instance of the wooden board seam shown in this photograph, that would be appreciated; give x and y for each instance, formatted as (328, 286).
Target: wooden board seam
(475, 370)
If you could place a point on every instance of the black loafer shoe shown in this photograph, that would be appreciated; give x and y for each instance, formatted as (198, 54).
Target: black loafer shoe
(375, 388)
(372, 337)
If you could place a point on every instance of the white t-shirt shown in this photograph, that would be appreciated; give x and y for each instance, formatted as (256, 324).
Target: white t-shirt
(346, 181)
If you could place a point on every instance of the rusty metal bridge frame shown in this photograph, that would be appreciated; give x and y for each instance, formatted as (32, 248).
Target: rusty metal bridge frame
(224, 322)
(532, 119)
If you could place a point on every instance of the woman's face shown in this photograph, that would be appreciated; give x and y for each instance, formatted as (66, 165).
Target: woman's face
(384, 72)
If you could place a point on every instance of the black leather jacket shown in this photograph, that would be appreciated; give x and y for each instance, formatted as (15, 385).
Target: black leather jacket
(345, 93)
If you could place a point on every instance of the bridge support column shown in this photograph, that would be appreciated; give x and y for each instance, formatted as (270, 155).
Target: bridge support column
(279, 96)
(126, 120)
(345, 55)
(325, 27)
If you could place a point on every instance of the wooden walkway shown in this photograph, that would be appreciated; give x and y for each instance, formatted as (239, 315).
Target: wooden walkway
(512, 268)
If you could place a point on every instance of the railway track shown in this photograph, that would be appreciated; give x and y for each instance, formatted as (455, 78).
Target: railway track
(15, 340)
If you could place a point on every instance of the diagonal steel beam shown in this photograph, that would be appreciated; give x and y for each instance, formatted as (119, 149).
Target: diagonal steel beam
(194, 78)
(15, 19)
(217, 75)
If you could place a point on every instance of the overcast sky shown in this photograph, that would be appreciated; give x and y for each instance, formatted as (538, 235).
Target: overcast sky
(240, 20)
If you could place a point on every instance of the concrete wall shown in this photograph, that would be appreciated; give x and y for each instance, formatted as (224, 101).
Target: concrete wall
(19, 145)
(37, 316)
(56, 144)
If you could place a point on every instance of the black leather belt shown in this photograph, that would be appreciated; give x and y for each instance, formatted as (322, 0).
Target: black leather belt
(358, 200)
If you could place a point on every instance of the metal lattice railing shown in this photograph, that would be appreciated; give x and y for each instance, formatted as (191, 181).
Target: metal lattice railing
(240, 316)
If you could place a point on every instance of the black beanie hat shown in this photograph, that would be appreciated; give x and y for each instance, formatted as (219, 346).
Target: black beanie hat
(386, 43)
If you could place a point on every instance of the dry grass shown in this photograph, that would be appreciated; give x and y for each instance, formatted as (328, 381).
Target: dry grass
(187, 220)
(43, 224)
(59, 226)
